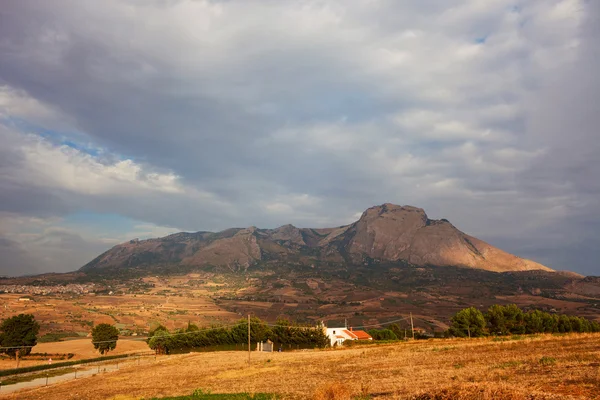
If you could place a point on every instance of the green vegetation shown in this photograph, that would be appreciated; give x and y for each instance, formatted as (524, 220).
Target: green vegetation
(383, 334)
(468, 322)
(17, 331)
(104, 337)
(508, 364)
(283, 333)
(547, 360)
(57, 336)
(200, 394)
(511, 320)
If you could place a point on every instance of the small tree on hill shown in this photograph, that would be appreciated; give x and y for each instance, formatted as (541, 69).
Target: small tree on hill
(17, 331)
(104, 337)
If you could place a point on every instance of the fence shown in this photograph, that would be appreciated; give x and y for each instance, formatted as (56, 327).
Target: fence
(52, 373)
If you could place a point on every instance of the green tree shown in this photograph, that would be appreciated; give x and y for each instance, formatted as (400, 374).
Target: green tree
(157, 328)
(17, 331)
(400, 333)
(496, 322)
(104, 337)
(383, 334)
(160, 341)
(534, 321)
(468, 322)
(192, 327)
(564, 324)
(514, 319)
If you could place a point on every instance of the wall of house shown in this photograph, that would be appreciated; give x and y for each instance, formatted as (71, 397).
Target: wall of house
(338, 331)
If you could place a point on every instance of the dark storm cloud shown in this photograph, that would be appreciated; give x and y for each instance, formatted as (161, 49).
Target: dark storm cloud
(206, 115)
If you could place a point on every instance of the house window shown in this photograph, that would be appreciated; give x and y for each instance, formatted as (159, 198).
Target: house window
(334, 332)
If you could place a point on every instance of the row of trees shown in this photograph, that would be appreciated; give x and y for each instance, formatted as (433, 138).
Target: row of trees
(283, 332)
(506, 320)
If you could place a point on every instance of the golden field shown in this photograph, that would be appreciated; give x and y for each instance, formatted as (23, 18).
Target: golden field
(539, 367)
(81, 348)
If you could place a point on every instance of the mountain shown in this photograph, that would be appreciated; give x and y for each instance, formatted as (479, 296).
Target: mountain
(386, 233)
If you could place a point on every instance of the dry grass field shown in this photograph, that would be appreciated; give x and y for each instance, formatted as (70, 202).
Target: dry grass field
(81, 348)
(541, 367)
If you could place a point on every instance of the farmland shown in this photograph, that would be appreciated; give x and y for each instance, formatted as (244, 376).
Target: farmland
(361, 296)
(544, 367)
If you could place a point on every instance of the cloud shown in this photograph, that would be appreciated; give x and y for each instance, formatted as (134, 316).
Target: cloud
(202, 115)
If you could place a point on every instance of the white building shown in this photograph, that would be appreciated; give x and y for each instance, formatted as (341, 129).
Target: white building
(340, 335)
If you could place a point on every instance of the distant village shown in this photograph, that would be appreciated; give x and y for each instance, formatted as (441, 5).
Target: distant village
(71, 288)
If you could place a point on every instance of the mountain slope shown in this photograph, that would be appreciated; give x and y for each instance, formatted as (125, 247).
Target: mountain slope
(387, 233)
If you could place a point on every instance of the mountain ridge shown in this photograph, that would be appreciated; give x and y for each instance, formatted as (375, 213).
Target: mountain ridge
(384, 233)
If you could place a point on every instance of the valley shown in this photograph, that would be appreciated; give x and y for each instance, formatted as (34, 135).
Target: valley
(362, 295)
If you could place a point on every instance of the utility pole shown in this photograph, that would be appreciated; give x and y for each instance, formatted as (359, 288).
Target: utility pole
(248, 339)
(412, 327)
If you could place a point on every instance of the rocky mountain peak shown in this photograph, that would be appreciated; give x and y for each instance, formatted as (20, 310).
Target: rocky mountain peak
(387, 232)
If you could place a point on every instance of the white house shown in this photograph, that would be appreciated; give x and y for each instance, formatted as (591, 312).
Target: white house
(340, 335)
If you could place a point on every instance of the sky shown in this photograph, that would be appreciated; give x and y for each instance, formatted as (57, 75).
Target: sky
(126, 119)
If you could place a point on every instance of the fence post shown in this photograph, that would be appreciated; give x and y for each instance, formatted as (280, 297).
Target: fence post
(46, 379)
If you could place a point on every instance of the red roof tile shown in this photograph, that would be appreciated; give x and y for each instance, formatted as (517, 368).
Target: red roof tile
(362, 335)
(350, 333)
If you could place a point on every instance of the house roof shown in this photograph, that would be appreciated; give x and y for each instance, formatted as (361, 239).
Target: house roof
(350, 334)
(362, 335)
(340, 337)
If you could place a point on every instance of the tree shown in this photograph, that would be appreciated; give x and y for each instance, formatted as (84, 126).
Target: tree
(104, 337)
(20, 330)
(383, 334)
(400, 333)
(504, 320)
(160, 341)
(514, 319)
(468, 322)
(496, 322)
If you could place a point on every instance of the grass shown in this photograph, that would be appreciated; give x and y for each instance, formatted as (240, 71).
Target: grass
(508, 364)
(28, 378)
(547, 360)
(474, 369)
(200, 394)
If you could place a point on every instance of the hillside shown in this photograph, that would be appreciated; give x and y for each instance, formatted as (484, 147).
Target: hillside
(386, 233)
